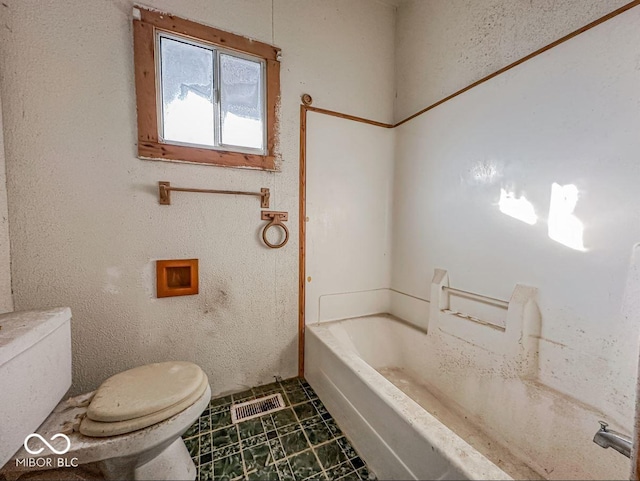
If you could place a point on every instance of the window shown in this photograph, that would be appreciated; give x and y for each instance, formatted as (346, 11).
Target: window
(204, 95)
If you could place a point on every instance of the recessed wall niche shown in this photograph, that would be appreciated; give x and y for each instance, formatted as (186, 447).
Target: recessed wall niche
(176, 277)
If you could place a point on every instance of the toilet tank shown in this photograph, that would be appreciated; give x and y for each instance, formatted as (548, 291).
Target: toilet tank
(35, 372)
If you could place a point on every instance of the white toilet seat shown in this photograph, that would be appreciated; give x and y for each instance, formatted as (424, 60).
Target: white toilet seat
(98, 429)
(145, 390)
(141, 397)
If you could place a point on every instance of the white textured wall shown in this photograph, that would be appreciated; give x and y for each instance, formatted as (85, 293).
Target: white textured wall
(6, 299)
(85, 222)
(445, 45)
(569, 116)
(349, 203)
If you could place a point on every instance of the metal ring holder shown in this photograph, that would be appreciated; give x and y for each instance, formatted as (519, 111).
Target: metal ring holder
(277, 219)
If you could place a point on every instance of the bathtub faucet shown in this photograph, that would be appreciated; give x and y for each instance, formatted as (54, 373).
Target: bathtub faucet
(612, 439)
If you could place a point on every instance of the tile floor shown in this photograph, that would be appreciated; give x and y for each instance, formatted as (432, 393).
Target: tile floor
(301, 442)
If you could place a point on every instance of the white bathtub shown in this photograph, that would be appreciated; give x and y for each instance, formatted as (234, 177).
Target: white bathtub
(377, 376)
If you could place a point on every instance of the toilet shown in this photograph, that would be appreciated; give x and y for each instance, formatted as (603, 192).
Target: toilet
(129, 428)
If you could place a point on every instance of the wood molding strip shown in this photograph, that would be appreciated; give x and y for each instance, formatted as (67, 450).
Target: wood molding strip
(333, 113)
(302, 221)
(575, 33)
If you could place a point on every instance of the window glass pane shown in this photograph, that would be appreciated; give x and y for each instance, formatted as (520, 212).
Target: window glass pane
(187, 92)
(241, 102)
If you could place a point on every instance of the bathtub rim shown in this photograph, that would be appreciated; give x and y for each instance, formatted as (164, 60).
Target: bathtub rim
(463, 457)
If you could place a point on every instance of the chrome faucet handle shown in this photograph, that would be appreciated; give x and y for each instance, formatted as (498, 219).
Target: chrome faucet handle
(603, 426)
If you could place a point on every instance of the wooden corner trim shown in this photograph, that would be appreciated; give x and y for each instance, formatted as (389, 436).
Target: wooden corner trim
(302, 239)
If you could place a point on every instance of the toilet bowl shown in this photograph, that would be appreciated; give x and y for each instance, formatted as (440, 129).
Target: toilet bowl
(129, 428)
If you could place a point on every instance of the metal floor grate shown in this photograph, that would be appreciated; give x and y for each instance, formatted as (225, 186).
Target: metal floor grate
(258, 407)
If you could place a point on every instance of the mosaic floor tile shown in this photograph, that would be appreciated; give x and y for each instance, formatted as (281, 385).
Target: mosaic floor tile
(341, 470)
(250, 428)
(364, 473)
(311, 393)
(206, 443)
(267, 423)
(220, 420)
(290, 384)
(257, 457)
(285, 471)
(305, 410)
(254, 441)
(350, 477)
(224, 436)
(225, 451)
(220, 404)
(319, 406)
(276, 449)
(205, 472)
(193, 446)
(347, 448)
(333, 427)
(299, 443)
(268, 473)
(297, 396)
(330, 454)
(305, 465)
(357, 462)
(288, 429)
(318, 433)
(228, 468)
(205, 424)
(192, 431)
(294, 443)
(284, 417)
(205, 459)
(305, 423)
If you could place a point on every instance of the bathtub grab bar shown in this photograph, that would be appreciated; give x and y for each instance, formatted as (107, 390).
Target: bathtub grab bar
(479, 297)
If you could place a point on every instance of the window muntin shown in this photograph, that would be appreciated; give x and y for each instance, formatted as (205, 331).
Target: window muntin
(210, 97)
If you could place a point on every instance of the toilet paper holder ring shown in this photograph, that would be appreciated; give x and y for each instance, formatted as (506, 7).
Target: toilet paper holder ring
(277, 219)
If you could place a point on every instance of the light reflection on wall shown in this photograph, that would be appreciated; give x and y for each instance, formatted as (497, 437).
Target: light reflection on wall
(517, 207)
(564, 226)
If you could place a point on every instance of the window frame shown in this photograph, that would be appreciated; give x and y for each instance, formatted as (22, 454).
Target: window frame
(146, 25)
